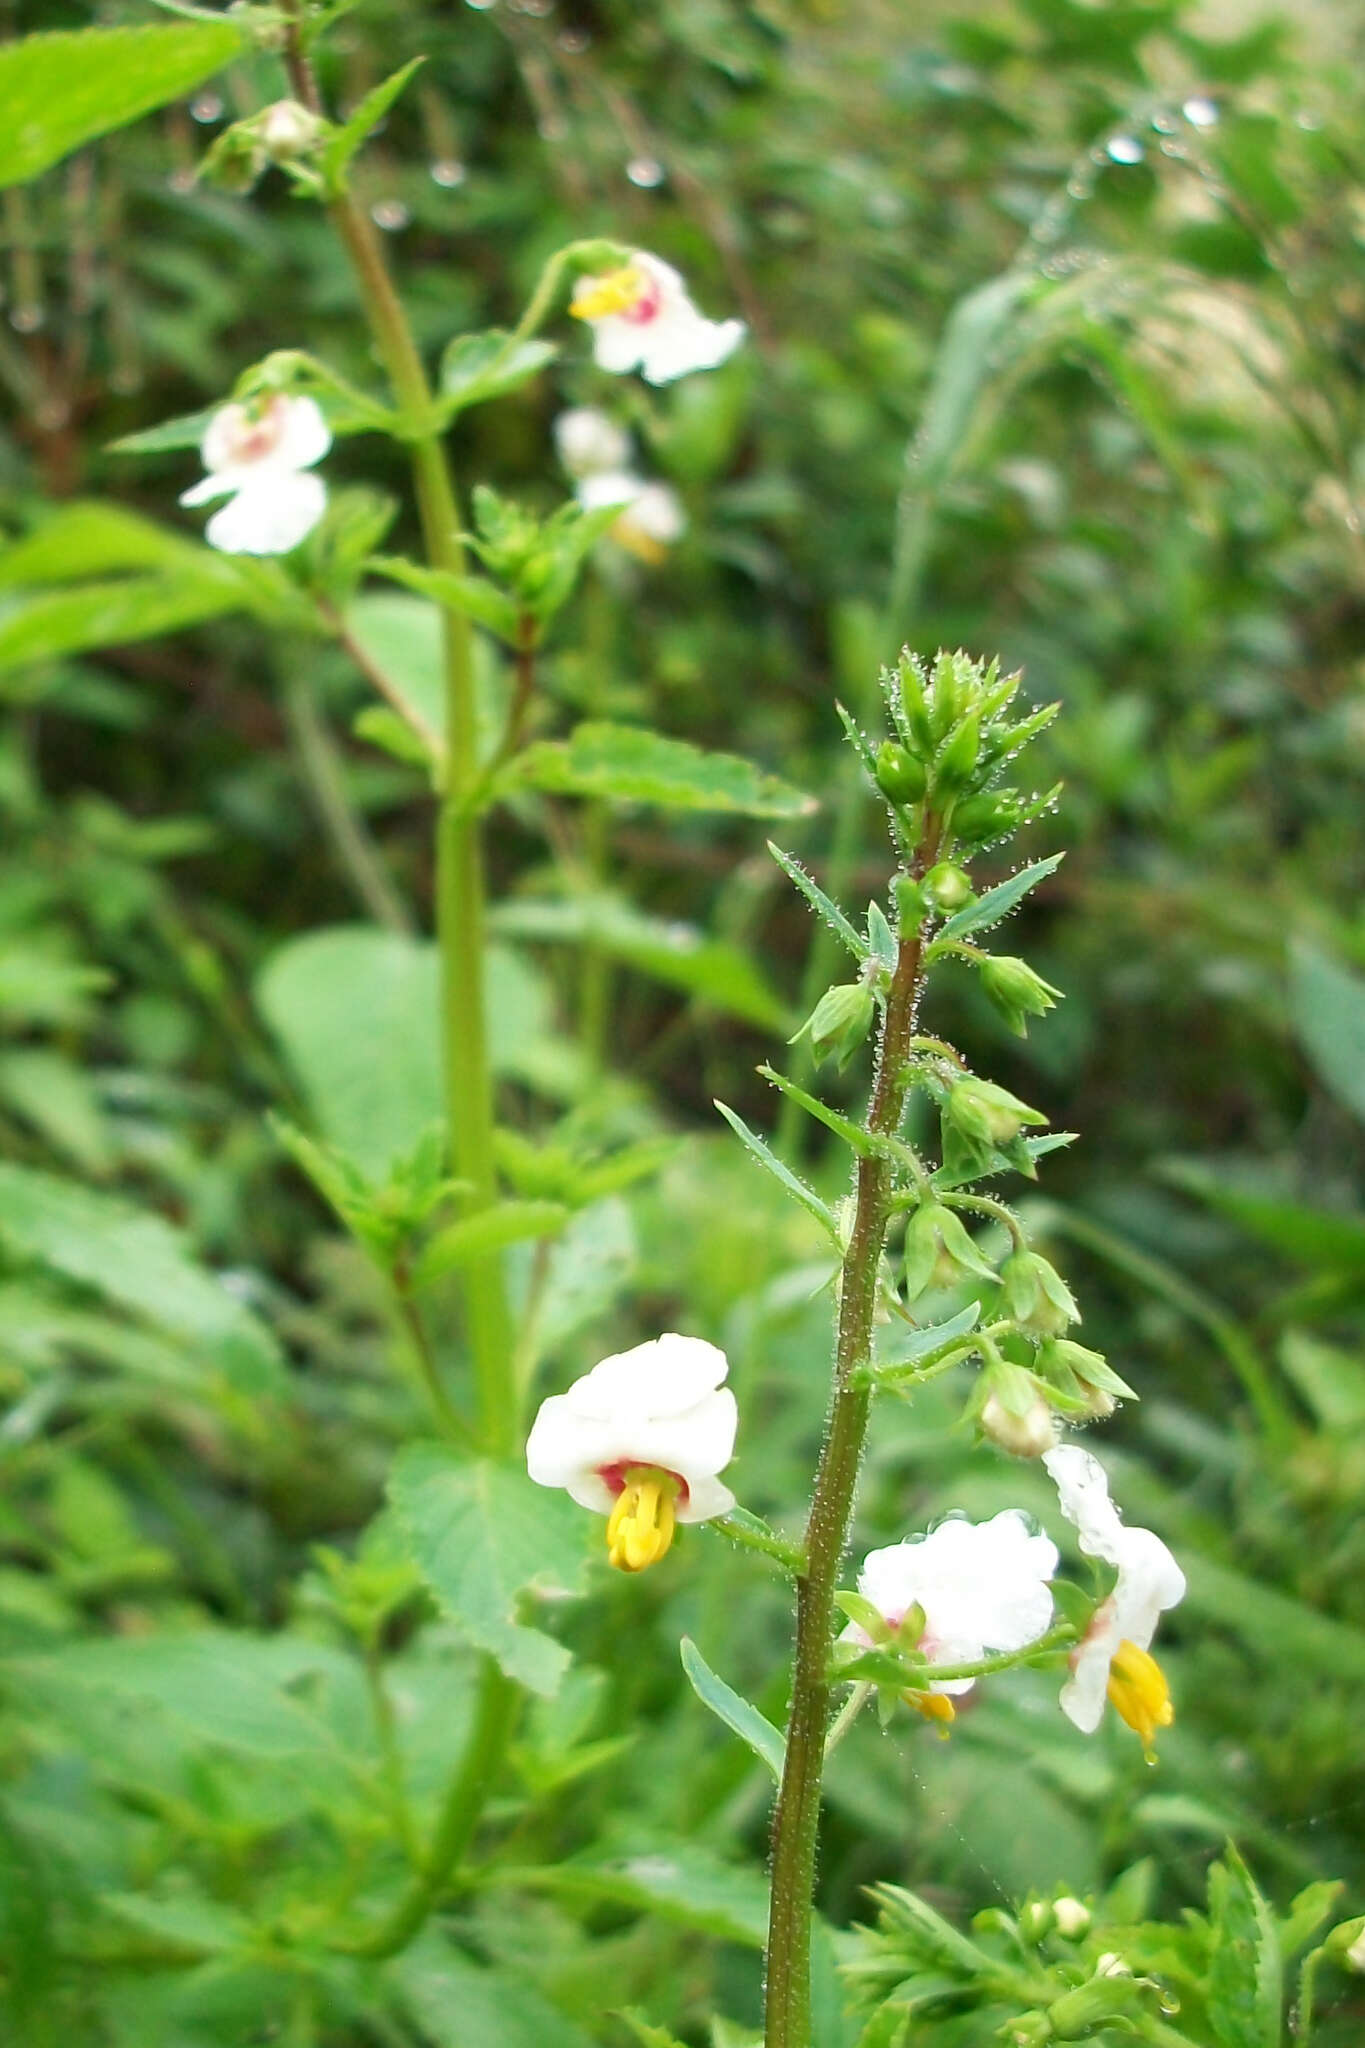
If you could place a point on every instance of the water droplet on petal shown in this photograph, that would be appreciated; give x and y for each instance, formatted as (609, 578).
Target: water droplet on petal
(390, 214)
(1124, 149)
(646, 171)
(206, 106)
(448, 171)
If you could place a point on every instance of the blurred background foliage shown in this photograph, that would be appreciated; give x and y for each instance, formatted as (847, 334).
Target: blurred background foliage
(1058, 348)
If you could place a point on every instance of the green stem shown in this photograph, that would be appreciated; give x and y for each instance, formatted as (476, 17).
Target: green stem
(459, 1816)
(322, 771)
(847, 1715)
(986, 1205)
(391, 1754)
(797, 1816)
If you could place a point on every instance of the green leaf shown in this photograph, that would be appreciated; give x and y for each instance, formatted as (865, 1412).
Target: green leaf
(1327, 1004)
(473, 596)
(357, 1013)
(58, 1098)
(807, 1197)
(648, 2035)
(1323, 1239)
(854, 1136)
(630, 764)
(999, 901)
(403, 637)
(88, 538)
(821, 904)
(474, 1237)
(901, 1347)
(483, 1535)
(60, 91)
(677, 1880)
(667, 950)
(459, 2003)
(351, 136)
(477, 367)
(111, 614)
(739, 1715)
(141, 1262)
(1246, 1988)
(186, 430)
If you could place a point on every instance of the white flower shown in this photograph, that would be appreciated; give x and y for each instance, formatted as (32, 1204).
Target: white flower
(642, 319)
(652, 517)
(1113, 1656)
(982, 1586)
(589, 442)
(256, 456)
(641, 1439)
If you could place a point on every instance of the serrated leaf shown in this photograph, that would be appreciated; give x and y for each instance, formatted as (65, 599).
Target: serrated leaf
(740, 1716)
(821, 904)
(139, 1260)
(482, 1535)
(351, 136)
(999, 901)
(1246, 1974)
(475, 1237)
(1327, 1003)
(630, 764)
(769, 1160)
(477, 367)
(62, 90)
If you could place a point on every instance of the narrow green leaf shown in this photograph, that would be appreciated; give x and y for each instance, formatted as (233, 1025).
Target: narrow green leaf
(483, 1535)
(821, 904)
(630, 764)
(903, 1347)
(62, 90)
(475, 1237)
(853, 1135)
(343, 144)
(110, 614)
(88, 538)
(477, 367)
(807, 1197)
(1327, 1003)
(677, 1880)
(1320, 1238)
(739, 1715)
(474, 596)
(999, 901)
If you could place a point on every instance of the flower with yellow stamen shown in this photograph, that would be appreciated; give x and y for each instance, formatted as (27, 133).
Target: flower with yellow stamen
(642, 319)
(1113, 1660)
(641, 1439)
(980, 1587)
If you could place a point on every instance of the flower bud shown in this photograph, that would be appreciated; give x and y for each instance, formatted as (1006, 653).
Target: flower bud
(910, 904)
(1016, 991)
(988, 1113)
(952, 770)
(1030, 2030)
(947, 888)
(939, 1252)
(1111, 1994)
(288, 131)
(1072, 1919)
(1080, 1380)
(900, 777)
(978, 819)
(840, 1021)
(1016, 1414)
(1036, 1919)
(1036, 1296)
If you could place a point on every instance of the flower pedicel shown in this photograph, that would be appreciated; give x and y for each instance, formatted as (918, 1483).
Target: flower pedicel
(641, 1439)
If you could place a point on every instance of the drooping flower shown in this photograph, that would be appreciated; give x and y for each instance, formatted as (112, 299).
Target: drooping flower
(981, 1587)
(1114, 1657)
(642, 318)
(652, 517)
(641, 1439)
(590, 443)
(258, 456)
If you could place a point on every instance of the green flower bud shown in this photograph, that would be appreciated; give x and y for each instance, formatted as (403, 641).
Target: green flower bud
(1080, 1381)
(840, 1021)
(913, 700)
(1072, 1919)
(955, 681)
(978, 819)
(1016, 991)
(288, 131)
(900, 777)
(947, 888)
(1036, 1296)
(989, 1114)
(1111, 1994)
(953, 769)
(1346, 1944)
(939, 1251)
(1016, 1413)
(910, 905)
(1036, 1919)
(1029, 2030)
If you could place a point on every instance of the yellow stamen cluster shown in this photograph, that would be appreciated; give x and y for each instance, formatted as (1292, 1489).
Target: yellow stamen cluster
(935, 1706)
(616, 291)
(1138, 1689)
(640, 1528)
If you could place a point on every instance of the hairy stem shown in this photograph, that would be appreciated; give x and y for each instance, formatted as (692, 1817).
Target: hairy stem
(797, 1816)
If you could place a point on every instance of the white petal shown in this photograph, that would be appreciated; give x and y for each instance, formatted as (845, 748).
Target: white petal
(1150, 1581)
(980, 1584)
(617, 344)
(222, 435)
(657, 513)
(306, 437)
(673, 347)
(667, 1376)
(269, 516)
(672, 290)
(1083, 1695)
(589, 442)
(207, 489)
(611, 487)
(706, 1499)
(1083, 1490)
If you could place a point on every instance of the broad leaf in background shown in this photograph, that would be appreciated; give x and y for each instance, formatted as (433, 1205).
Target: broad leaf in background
(630, 764)
(457, 2002)
(61, 90)
(483, 1535)
(1327, 1003)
